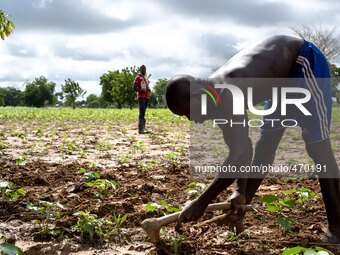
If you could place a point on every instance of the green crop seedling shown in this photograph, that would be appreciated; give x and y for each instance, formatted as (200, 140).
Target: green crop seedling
(7, 192)
(161, 207)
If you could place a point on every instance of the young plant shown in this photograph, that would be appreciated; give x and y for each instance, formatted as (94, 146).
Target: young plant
(161, 207)
(118, 221)
(299, 250)
(195, 189)
(10, 249)
(123, 159)
(89, 175)
(106, 187)
(305, 197)
(69, 146)
(144, 166)
(47, 211)
(137, 146)
(91, 227)
(173, 157)
(175, 241)
(7, 192)
(103, 145)
(276, 205)
(19, 160)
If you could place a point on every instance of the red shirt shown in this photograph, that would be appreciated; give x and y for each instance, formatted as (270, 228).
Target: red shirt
(142, 82)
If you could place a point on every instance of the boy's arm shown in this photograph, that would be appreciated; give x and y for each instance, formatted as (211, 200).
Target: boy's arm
(136, 84)
(240, 154)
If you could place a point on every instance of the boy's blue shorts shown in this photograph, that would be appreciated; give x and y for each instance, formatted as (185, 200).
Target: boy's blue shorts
(312, 66)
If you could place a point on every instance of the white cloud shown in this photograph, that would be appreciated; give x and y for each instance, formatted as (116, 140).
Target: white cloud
(82, 39)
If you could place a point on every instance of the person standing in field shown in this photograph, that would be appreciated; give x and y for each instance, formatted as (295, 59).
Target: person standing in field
(141, 86)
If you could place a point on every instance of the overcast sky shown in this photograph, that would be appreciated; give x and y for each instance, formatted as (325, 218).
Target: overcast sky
(82, 39)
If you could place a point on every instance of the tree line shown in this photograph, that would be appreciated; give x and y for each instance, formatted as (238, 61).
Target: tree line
(40, 93)
(117, 91)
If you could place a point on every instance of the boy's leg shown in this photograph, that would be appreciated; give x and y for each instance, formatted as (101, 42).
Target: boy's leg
(141, 115)
(322, 154)
(146, 106)
(265, 150)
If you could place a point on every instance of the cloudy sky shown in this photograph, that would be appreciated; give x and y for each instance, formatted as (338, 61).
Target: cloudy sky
(82, 39)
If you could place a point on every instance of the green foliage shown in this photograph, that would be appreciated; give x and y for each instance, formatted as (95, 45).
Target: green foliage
(195, 189)
(173, 157)
(176, 242)
(93, 101)
(10, 249)
(117, 86)
(47, 211)
(335, 71)
(161, 207)
(72, 91)
(89, 175)
(157, 116)
(2, 97)
(288, 200)
(91, 227)
(119, 219)
(39, 93)
(11, 97)
(159, 89)
(106, 187)
(7, 192)
(276, 204)
(6, 25)
(299, 250)
(145, 165)
(19, 160)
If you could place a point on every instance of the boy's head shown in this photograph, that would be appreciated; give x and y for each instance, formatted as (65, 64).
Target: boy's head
(142, 69)
(182, 97)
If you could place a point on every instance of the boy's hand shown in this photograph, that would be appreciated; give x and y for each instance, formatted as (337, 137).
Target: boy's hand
(236, 199)
(193, 211)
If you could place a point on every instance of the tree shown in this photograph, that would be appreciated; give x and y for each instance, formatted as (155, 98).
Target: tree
(6, 25)
(336, 82)
(327, 40)
(39, 92)
(153, 100)
(159, 90)
(2, 96)
(117, 87)
(93, 101)
(72, 91)
(13, 97)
